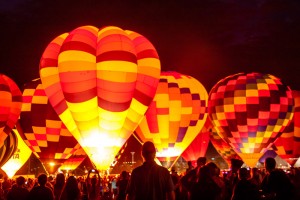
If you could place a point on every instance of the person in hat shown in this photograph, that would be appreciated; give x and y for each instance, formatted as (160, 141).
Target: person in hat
(150, 181)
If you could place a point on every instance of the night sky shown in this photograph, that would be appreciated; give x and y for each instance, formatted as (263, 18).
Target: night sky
(207, 39)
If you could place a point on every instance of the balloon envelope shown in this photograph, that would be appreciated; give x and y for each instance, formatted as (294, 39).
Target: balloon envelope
(74, 161)
(287, 146)
(10, 106)
(42, 130)
(175, 116)
(250, 110)
(100, 83)
(18, 159)
(199, 145)
(221, 146)
(8, 148)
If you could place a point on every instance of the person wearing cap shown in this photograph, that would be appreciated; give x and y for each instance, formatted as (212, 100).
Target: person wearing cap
(150, 181)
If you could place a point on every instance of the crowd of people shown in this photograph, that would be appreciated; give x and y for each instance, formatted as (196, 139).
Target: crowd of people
(207, 182)
(151, 181)
(65, 188)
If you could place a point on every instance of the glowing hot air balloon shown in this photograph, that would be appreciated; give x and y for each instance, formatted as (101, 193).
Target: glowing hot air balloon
(74, 161)
(221, 146)
(18, 159)
(100, 83)
(287, 146)
(10, 106)
(8, 148)
(250, 110)
(199, 145)
(42, 130)
(175, 116)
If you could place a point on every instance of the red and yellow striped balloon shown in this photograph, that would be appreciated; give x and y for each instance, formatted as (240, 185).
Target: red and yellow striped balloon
(175, 116)
(100, 83)
(250, 110)
(42, 130)
(10, 106)
(287, 146)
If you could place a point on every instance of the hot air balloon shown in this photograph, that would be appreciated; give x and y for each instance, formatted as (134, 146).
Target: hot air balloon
(18, 159)
(74, 161)
(8, 148)
(175, 116)
(221, 146)
(100, 83)
(250, 110)
(42, 130)
(10, 106)
(198, 146)
(287, 146)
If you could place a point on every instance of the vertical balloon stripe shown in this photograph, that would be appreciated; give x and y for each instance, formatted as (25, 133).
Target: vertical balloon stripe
(101, 87)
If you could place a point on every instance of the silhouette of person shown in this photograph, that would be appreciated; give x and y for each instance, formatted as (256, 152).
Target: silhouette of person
(190, 167)
(41, 191)
(122, 185)
(58, 185)
(150, 181)
(19, 191)
(276, 184)
(192, 175)
(244, 188)
(205, 187)
(71, 190)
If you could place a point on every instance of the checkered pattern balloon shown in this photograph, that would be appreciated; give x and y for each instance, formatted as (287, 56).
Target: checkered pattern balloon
(250, 110)
(100, 83)
(175, 116)
(42, 130)
(10, 106)
(287, 146)
(221, 146)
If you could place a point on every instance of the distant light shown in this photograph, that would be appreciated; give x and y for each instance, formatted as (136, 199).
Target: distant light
(51, 164)
(212, 158)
